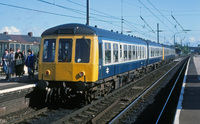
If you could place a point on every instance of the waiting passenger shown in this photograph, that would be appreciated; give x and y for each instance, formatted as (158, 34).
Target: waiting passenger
(30, 63)
(11, 65)
(23, 52)
(19, 60)
(5, 63)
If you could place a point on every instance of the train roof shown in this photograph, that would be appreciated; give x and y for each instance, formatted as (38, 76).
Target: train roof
(154, 43)
(167, 46)
(80, 29)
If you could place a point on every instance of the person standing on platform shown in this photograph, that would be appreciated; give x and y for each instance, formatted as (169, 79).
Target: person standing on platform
(34, 66)
(19, 61)
(23, 52)
(5, 63)
(11, 65)
(30, 63)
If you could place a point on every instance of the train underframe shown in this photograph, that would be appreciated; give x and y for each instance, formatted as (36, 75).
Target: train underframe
(89, 91)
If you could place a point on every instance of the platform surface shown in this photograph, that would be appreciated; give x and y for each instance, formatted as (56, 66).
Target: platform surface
(13, 85)
(189, 107)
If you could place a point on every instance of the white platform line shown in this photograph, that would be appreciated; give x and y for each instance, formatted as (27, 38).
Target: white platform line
(179, 106)
(17, 88)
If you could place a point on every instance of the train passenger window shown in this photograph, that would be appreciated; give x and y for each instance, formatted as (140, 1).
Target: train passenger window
(107, 53)
(115, 52)
(129, 52)
(82, 54)
(125, 53)
(49, 50)
(133, 52)
(152, 52)
(136, 52)
(142, 52)
(157, 51)
(65, 50)
(121, 59)
(139, 52)
(145, 49)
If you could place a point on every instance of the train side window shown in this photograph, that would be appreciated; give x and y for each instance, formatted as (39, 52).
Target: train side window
(152, 52)
(49, 50)
(65, 50)
(136, 53)
(143, 52)
(129, 52)
(125, 53)
(107, 53)
(121, 59)
(82, 54)
(133, 52)
(115, 52)
(139, 52)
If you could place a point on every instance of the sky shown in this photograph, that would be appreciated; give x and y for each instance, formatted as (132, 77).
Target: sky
(179, 18)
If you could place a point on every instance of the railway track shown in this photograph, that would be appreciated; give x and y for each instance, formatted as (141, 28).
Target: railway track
(109, 107)
(29, 116)
(160, 117)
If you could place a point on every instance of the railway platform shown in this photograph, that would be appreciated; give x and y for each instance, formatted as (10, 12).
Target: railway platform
(13, 94)
(188, 109)
(6, 86)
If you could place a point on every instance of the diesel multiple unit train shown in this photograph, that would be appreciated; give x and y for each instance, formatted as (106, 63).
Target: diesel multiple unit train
(80, 59)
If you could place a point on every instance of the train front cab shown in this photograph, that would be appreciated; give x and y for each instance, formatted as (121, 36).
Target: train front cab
(71, 59)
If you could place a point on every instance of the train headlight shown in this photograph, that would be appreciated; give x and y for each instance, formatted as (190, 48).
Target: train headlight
(81, 74)
(47, 72)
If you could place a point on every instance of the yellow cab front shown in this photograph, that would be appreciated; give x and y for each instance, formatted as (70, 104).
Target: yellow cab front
(69, 58)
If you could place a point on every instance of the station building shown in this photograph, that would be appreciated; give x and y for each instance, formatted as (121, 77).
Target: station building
(24, 42)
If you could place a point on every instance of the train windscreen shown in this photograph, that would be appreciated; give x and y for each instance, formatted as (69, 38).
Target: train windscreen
(65, 50)
(49, 50)
(82, 51)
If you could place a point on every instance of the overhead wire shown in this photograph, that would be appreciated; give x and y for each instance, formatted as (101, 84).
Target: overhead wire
(103, 14)
(41, 11)
(156, 16)
(64, 7)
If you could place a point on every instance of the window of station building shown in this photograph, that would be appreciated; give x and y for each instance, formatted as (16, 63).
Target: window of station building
(27, 47)
(129, 52)
(82, 54)
(107, 53)
(35, 49)
(12, 46)
(17, 46)
(125, 53)
(65, 50)
(133, 52)
(49, 50)
(23, 48)
(115, 52)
